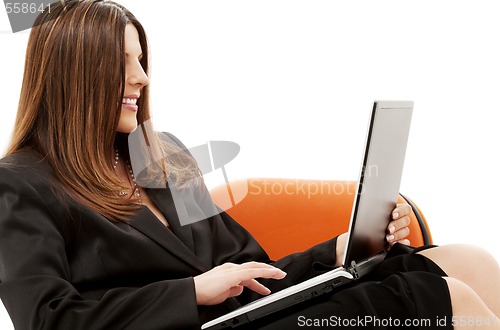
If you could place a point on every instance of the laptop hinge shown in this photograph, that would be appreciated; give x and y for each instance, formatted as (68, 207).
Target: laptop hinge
(364, 267)
(354, 270)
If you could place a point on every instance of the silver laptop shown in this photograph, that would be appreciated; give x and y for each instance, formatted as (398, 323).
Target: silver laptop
(376, 196)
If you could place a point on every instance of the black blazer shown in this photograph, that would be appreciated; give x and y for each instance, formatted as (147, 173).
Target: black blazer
(68, 267)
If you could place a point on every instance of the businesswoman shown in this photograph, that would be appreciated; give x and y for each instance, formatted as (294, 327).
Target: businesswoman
(84, 246)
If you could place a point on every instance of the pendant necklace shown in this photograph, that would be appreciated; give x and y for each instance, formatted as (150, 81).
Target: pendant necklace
(135, 189)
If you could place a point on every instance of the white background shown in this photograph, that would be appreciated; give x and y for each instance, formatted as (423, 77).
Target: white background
(292, 82)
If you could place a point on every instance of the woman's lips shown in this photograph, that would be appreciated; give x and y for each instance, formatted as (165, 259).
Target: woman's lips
(129, 106)
(130, 102)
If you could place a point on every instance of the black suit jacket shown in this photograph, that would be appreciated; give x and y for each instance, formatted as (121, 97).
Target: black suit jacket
(68, 267)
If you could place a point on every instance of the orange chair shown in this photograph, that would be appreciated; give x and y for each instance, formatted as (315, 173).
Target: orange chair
(291, 215)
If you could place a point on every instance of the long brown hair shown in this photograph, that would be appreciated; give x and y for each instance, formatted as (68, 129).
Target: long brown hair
(71, 99)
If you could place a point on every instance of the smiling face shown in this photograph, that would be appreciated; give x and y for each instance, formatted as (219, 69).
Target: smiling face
(135, 80)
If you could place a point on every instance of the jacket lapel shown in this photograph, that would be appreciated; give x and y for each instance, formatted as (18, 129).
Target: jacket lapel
(181, 244)
(164, 201)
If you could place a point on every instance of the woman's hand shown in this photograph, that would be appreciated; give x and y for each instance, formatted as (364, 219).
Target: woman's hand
(228, 280)
(397, 230)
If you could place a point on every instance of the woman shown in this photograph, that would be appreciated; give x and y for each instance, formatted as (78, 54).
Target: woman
(83, 246)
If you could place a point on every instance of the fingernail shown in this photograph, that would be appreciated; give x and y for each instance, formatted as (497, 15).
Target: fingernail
(281, 273)
(390, 237)
(392, 229)
(395, 215)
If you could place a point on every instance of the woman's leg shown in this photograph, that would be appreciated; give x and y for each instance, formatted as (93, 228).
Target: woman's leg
(473, 266)
(469, 311)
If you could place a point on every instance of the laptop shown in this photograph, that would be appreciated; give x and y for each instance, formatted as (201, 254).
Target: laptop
(376, 196)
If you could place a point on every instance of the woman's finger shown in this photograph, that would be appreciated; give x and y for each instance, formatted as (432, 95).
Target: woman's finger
(255, 267)
(401, 210)
(245, 274)
(235, 291)
(398, 235)
(254, 285)
(398, 224)
(238, 273)
(404, 241)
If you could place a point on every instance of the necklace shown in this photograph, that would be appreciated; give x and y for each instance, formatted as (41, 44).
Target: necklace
(135, 189)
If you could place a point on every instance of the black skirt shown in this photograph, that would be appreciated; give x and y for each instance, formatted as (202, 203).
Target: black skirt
(406, 291)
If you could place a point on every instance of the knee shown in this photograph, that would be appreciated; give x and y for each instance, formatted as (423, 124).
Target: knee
(465, 301)
(476, 259)
(462, 258)
(460, 292)
(475, 253)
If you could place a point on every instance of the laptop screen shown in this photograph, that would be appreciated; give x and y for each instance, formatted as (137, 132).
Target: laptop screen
(380, 178)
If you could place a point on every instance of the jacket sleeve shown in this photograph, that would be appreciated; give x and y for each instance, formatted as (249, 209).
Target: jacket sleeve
(35, 279)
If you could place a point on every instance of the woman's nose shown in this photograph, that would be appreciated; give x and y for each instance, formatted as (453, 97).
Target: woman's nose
(138, 77)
